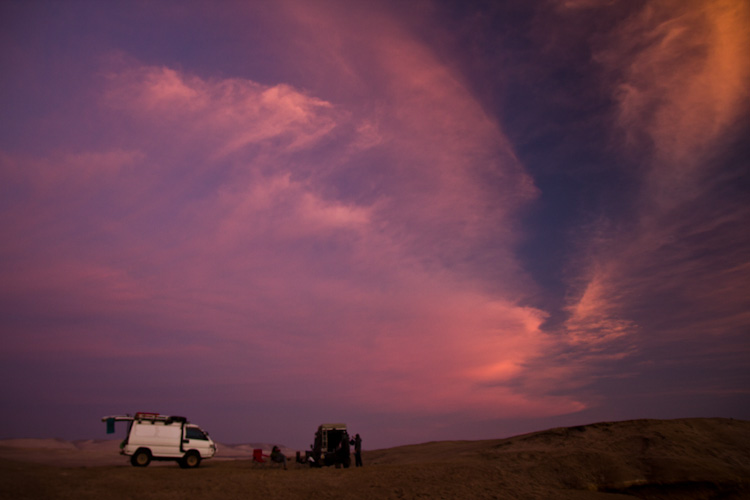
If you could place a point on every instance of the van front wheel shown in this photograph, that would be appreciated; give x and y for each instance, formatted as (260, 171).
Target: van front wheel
(191, 460)
(141, 458)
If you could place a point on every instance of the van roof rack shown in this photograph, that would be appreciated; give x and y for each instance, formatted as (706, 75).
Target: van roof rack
(332, 426)
(148, 416)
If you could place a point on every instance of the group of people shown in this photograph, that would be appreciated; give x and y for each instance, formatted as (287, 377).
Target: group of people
(343, 453)
(344, 450)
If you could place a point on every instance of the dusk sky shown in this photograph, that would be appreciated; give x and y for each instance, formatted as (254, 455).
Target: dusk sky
(430, 220)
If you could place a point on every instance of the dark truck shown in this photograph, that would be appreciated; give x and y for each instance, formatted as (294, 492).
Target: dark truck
(331, 447)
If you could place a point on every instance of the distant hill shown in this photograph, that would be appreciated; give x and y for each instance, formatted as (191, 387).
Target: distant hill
(682, 458)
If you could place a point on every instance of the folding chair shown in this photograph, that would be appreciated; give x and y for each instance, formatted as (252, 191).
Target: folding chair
(258, 456)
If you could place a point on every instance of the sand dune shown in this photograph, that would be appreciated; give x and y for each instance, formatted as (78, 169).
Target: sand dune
(664, 459)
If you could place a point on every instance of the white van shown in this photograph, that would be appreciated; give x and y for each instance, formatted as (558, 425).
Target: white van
(160, 437)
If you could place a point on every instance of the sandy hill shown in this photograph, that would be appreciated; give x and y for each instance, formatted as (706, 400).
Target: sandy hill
(660, 459)
(684, 458)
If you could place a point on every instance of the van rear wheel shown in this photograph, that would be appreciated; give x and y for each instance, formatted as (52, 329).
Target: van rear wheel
(191, 460)
(141, 458)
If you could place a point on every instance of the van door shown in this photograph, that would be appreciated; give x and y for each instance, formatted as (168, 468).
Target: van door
(196, 439)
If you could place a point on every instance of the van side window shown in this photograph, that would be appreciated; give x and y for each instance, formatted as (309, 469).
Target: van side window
(193, 433)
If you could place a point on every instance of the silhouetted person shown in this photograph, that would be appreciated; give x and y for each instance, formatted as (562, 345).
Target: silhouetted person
(317, 452)
(357, 442)
(344, 451)
(278, 457)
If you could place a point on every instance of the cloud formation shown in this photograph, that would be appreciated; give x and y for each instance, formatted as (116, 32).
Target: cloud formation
(224, 229)
(387, 213)
(679, 76)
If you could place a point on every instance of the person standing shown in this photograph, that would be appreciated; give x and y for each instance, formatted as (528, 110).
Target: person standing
(344, 457)
(357, 442)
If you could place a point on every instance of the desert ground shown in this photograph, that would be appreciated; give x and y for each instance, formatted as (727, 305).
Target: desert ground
(659, 459)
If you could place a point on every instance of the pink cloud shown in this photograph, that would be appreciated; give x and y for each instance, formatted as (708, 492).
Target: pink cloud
(303, 208)
(231, 113)
(679, 74)
(225, 214)
(682, 78)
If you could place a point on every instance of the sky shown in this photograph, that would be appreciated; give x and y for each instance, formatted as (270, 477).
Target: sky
(431, 220)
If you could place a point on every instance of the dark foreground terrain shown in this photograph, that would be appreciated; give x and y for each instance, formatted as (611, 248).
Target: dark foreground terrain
(659, 459)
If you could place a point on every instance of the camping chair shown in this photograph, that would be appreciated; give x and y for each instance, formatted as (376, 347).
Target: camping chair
(258, 456)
